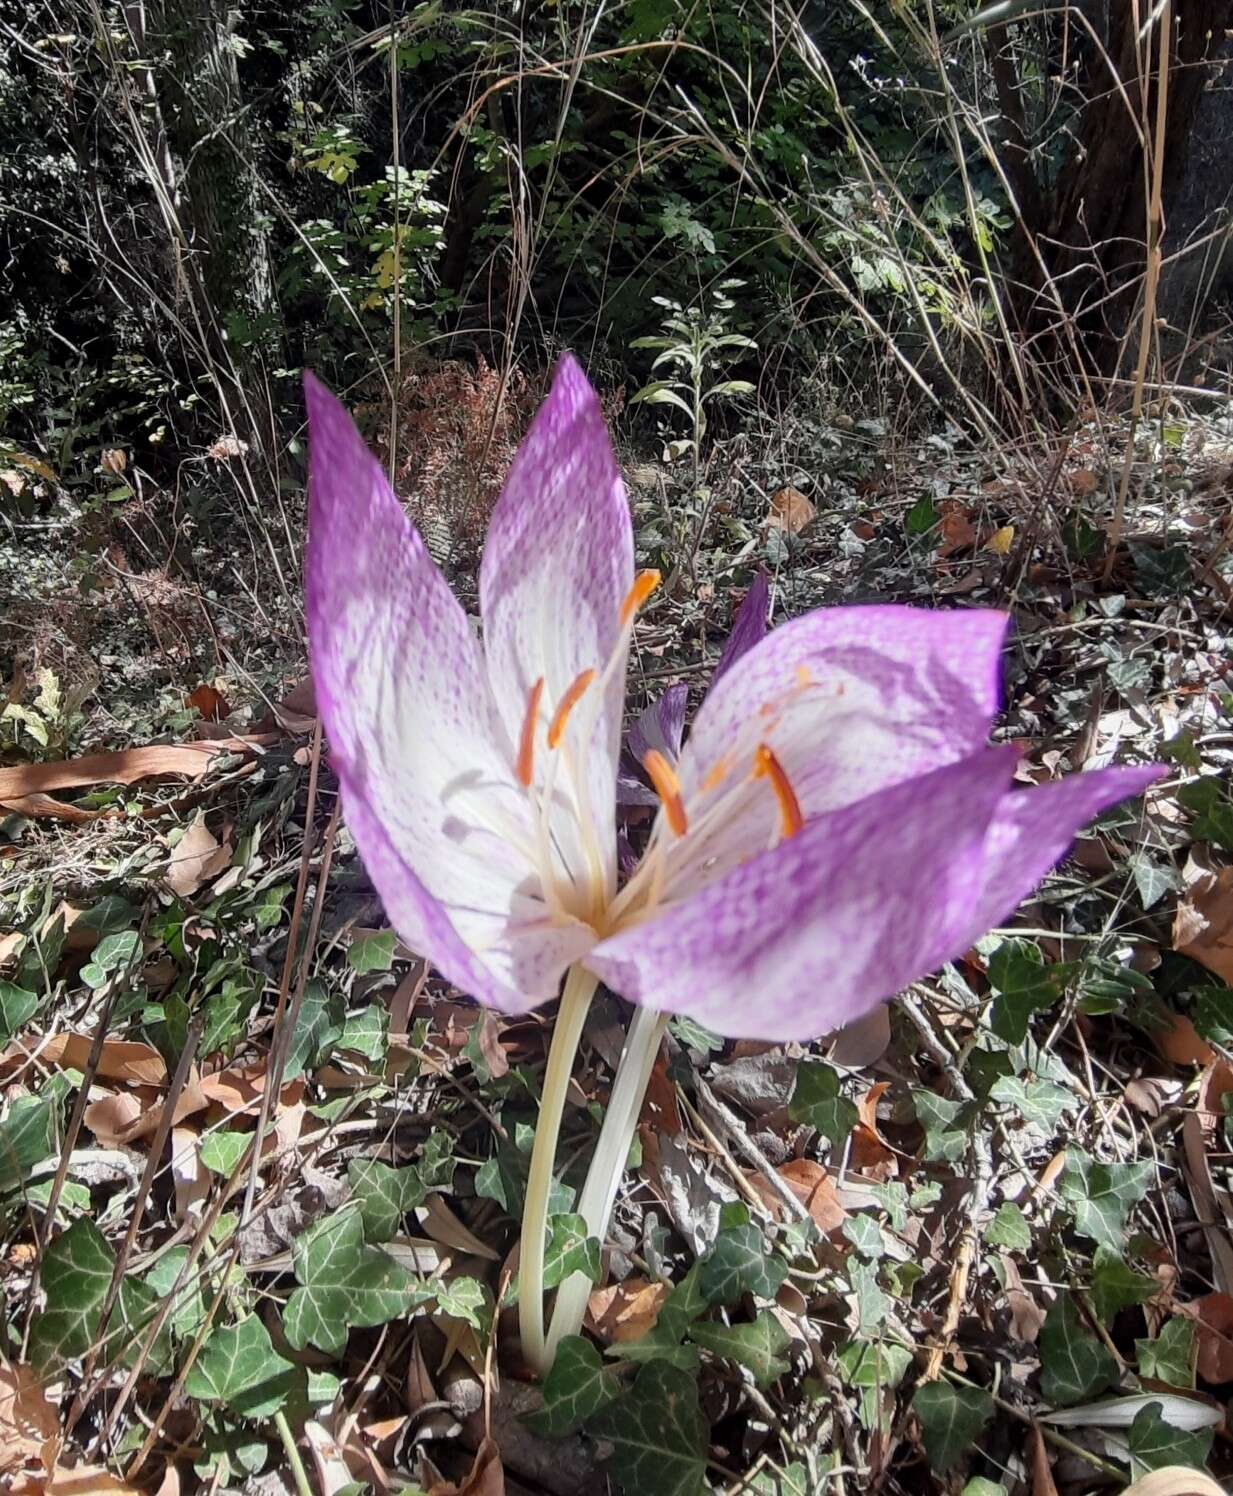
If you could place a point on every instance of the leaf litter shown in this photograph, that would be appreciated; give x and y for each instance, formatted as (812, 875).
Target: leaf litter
(978, 1241)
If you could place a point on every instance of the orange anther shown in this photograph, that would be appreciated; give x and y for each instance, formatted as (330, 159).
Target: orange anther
(556, 728)
(804, 677)
(767, 766)
(525, 766)
(644, 584)
(668, 788)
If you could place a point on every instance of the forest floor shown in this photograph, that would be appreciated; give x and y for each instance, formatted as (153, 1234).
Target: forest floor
(261, 1170)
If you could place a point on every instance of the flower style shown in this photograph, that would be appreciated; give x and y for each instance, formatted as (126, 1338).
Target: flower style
(834, 827)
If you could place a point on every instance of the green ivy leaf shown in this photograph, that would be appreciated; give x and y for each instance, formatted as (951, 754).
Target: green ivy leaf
(239, 1366)
(384, 1195)
(1025, 985)
(1155, 1443)
(575, 1389)
(657, 1433)
(1039, 1102)
(462, 1298)
(817, 1101)
(757, 1347)
(1009, 1228)
(189, 1313)
(1101, 1195)
(1170, 1358)
(1074, 1364)
(17, 1007)
(27, 1138)
(1116, 1285)
(225, 1012)
(344, 1284)
(866, 1236)
(874, 1363)
(318, 1027)
(76, 1274)
(945, 1137)
(739, 1263)
(372, 952)
(951, 1419)
(364, 1033)
(872, 1305)
(221, 1152)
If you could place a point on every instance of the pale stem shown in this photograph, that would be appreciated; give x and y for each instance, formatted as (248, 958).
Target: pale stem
(608, 1163)
(575, 1001)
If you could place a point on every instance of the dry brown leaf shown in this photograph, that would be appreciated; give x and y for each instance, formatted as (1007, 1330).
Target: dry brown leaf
(239, 1088)
(659, 1107)
(211, 704)
(192, 1178)
(956, 528)
(625, 1311)
(48, 808)
(1215, 1084)
(1147, 1094)
(1213, 1316)
(486, 1477)
(813, 1187)
(87, 1480)
(442, 1225)
(862, 1042)
(1001, 541)
(790, 511)
(1207, 1203)
(1203, 925)
(1042, 1474)
(297, 711)
(1181, 1044)
(128, 766)
(29, 1422)
(195, 858)
(870, 1154)
(111, 1118)
(120, 1059)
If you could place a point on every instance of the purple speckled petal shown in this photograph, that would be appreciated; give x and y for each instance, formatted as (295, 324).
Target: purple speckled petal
(422, 756)
(1033, 829)
(808, 936)
(558, 562)
(850, 701)
(749, 625)
(661, 726)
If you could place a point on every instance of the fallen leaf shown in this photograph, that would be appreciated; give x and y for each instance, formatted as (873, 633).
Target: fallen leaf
(1001, 541)
(659, 1108)
(113, 460)
(870, 1153)
(790, 511)
(488, 1039)
(1042, 1474)
(813, 1187)
(863, 1041)
(1215, 1084)
(48, 808)
(211, 704)
(87, 1480)
(120, 1059)
(1147, 1094)
(1083, 482)
(111, 1117)
(625, 1311)
(29, 1422)
(332, 1471)
(191, 1177)
(1203, 925)
(129, 765)
(195, 858)
(956, 528)
(486, 1477)
(1213, 1316)
(1180, 1043)
(297, 711)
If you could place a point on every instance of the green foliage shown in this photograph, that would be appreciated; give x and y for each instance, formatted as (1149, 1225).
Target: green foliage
(658, 1435)
(577, 1387)
(1102, 1195)
(238, 1366)
(1155, 1443)
(1075, 1364)
(818, 1102)
(1170, 1358)
(343, 1284)
(951, 1420)
(758, 1346)
(738, 1264)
